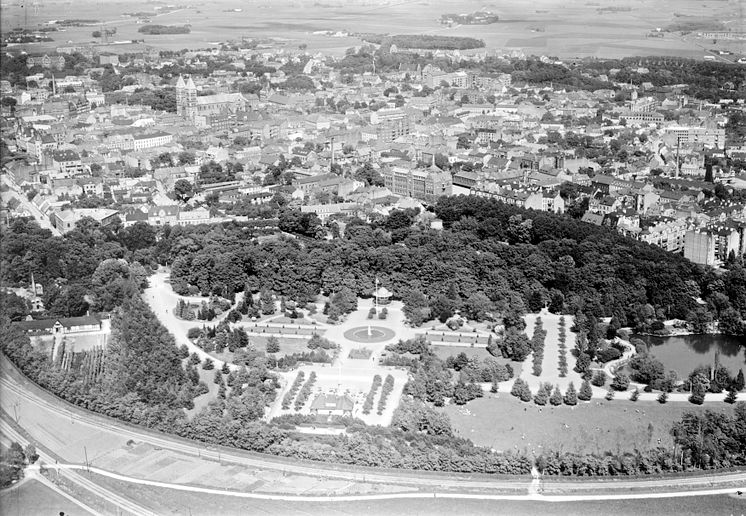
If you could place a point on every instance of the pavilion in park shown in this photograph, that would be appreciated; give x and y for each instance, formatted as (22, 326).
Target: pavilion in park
(382, 296)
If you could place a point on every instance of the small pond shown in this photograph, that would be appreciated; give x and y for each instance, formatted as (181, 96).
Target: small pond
(683, 353)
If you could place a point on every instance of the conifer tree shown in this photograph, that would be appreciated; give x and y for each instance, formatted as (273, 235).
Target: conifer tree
(586, 391)
(739, 382)
(541, 397)
(556, 398)
(516, 389)
(571, 396)
(525, 392)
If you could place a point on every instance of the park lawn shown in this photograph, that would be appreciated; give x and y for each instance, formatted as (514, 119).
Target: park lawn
(443, 352)
(288, 320)
(504, 423)
(288, 346)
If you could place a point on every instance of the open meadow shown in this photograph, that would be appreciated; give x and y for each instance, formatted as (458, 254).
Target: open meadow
(573, 28)
(504, 423)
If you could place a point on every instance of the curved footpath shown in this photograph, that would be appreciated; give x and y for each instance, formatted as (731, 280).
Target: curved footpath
(36, 411)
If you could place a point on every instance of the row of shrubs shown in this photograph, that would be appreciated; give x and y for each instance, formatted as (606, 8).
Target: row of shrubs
(537, 344)
(368, 404)
(305, 391)
(547, 394)
(287, 400)
(388, 386)
(562, 347)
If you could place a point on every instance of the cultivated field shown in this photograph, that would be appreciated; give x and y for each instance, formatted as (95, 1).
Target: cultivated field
(565, 29)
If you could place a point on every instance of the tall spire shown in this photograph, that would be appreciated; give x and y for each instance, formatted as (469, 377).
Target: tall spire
(180, 83)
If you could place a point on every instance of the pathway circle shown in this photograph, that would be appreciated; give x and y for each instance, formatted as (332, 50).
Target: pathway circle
(366, 334)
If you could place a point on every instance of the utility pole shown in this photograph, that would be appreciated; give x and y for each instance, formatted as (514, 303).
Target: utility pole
(85, 450)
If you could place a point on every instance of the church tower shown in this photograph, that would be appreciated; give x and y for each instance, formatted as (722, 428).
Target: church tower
(180, 87)
(186, 98)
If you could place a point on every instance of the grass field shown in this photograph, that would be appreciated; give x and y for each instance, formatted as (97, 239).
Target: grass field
(505, 423)
(288, 346)
(569, 29)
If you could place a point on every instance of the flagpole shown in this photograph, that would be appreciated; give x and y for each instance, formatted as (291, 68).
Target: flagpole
(375, 295)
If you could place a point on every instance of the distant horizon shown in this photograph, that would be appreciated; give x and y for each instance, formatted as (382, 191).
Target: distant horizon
(573, 29)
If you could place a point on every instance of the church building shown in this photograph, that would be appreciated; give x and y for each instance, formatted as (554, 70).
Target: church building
(193, 107)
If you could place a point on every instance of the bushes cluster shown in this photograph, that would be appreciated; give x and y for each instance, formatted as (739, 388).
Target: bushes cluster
(416, 346)
(217, 339)
(273, 345)
(287, 400)
(316, 341)
(368, 404)
(397, 360)
(360, 353)
(183, 310)
(388, 386)
(216, 306)
(465, 392)
(620, 382)
(608, 354)
(599, 379)
(318, 356)
(521, 390)
(305, 391)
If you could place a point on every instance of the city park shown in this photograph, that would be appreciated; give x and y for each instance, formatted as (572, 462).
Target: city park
(357, 383)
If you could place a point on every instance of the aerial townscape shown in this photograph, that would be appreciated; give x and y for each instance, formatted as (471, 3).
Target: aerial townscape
(372, 257)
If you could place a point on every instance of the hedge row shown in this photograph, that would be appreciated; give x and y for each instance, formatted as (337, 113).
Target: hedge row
(368, 405)
(287, 400)
(305, 391)
(388, 386)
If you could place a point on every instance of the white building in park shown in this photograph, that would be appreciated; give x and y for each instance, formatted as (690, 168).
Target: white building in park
(332, 405)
